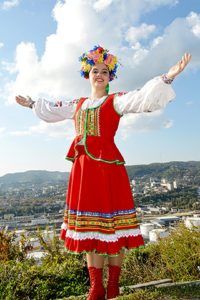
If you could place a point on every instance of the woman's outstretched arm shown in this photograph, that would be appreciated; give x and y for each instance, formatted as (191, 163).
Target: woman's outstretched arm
(154, 95)
(49, 111)
(179, 66)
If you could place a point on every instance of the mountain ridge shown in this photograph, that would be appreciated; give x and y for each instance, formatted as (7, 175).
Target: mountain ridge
(167, 169)
(33, 176)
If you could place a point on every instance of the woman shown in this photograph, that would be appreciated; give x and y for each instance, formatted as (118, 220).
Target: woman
(100, 219)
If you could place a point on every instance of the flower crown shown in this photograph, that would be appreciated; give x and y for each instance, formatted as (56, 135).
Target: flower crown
(98, 55)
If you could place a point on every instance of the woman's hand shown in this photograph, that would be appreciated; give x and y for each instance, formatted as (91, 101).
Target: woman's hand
(25, 101)
(179, 67)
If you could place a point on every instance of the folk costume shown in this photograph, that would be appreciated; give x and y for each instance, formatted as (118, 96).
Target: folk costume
(100, 215)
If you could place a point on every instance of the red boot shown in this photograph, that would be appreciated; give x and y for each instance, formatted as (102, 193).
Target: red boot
(113, 282)
(97, 290)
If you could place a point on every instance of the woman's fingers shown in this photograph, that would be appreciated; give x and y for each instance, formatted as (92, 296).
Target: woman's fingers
(185, 59)
(180, 66)
(22, 100)
(18, 99)
(183, 62)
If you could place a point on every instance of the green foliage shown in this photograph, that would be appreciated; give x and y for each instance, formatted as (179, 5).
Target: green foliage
(176, 257)
(142, 295)
(60, 275)
(52, 246)
(169, 170)
(165, 293)
(182, 292)
(9, 250)
(47, 281)
(180, 198)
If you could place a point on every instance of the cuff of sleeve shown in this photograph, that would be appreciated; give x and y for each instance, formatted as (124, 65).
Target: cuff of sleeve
(166, 79)
(31, 105)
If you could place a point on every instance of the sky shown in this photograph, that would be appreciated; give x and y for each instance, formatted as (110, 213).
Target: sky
(40, 43)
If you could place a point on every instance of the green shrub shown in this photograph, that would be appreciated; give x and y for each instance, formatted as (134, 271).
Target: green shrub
(9, 250)
(26, 280)
(57, 275)
(176, 257)
(60, 274)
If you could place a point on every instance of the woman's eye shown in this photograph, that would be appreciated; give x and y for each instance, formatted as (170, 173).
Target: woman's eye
(103, 72)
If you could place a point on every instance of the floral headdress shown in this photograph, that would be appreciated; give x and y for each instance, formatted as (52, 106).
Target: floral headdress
(98, 55)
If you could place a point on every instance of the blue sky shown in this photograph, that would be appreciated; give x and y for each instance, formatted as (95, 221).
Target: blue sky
(40, 42)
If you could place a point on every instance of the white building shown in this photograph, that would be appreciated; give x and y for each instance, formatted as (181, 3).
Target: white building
(40, 221)
(145, 229)
(9, 217)
(157, 234)
(192, 221)
(167, 220)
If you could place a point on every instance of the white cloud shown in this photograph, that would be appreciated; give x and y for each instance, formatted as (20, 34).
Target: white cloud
(135, 34)
(52, 130)
(139, 55)
(162, 2)
(194, 22)
(144, 122)
(8, 67)
(102, 4)
(2, 131)
(156, 41)
(9, 4)
(1, 45)
(168, 123)
(189, 103)
(79, 27)
(20, 133)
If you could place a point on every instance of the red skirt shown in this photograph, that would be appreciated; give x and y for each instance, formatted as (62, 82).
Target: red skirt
(100, 216)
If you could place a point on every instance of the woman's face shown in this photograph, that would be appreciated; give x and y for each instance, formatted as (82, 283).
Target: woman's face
(99, 76)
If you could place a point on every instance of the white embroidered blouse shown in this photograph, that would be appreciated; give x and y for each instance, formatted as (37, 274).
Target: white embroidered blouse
(154, 95)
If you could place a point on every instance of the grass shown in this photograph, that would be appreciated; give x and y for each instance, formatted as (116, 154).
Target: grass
(165, 293)
(176, 257)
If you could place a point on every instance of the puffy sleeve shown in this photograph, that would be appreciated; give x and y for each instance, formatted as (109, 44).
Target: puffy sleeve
(154, 95)
(52, 112)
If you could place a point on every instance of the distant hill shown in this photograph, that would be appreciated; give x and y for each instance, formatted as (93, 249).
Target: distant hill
(174, 169)
(169, 170)
(34, 177)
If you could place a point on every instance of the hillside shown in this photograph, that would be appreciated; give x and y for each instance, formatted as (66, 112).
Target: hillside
(169, 170)
(34, 177)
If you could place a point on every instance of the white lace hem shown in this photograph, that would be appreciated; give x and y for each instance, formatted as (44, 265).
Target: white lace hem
(101, 236)
(64, 226)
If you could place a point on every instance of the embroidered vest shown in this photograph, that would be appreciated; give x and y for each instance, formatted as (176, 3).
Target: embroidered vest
(96, 128)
